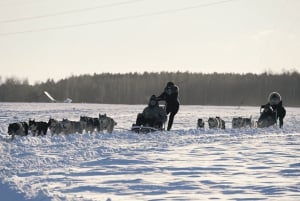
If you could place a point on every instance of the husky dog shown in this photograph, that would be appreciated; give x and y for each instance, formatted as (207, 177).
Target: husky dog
(90, 124)
(18, 128)
(55, 126)
(239, 122)
(38, 127)
(216, 123)
(71, 126)
(200, 123)
(106, 123)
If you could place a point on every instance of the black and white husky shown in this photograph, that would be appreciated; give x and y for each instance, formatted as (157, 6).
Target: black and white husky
(240, 122)
(200, 123)
(71, 126)
(90, 124)
(18, 128)
(106, 123)
(216, 122)
(55, 126)
(38, 127)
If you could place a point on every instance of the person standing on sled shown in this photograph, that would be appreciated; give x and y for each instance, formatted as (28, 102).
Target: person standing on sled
(153, 115)
(274, 106)
(170, 95)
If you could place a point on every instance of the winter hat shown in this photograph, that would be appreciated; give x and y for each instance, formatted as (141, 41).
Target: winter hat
(170, 84)
(153, 97)
(152, 101)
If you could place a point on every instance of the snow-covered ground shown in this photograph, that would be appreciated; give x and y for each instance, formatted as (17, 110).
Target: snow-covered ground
(183, 164)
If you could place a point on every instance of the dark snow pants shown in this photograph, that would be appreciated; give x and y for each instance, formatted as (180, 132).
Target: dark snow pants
(171, 109)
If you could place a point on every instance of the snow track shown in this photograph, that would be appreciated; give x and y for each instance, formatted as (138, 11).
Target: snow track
(183, 164)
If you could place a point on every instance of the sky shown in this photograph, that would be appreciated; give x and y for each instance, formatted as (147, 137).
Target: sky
(41, 39)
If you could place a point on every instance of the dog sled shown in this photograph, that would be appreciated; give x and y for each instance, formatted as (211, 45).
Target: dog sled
(144, 129)
(152, 118)
(268, 117)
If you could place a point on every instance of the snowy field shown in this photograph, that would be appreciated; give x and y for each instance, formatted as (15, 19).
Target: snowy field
(183, 164)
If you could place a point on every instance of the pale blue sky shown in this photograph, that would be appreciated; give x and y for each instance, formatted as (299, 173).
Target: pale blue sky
(232, 36)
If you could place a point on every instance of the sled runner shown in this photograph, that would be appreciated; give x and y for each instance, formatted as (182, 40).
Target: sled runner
(144, 129)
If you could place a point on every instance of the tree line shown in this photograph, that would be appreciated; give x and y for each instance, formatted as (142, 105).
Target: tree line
(136, 88)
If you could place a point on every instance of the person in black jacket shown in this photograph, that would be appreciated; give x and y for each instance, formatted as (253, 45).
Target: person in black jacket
(273, 109)
(170, 95)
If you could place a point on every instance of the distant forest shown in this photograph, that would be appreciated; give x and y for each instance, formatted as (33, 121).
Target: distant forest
(136, 88)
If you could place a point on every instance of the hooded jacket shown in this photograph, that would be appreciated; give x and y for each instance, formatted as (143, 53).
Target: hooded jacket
(153, 112)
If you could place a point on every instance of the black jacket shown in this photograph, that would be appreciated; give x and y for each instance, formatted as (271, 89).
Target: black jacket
(170, 95)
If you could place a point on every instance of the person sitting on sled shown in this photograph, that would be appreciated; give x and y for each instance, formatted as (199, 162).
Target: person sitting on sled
(153, 115)
(273, 109)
